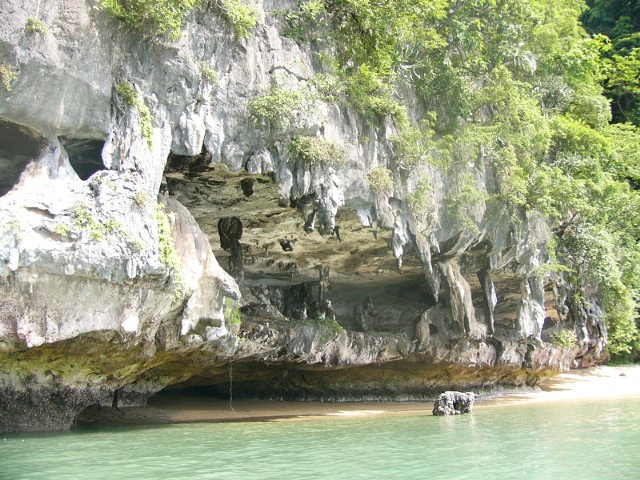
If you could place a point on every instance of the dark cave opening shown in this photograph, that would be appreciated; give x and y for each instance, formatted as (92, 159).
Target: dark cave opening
(187, 163)
(85, 155)
(279, 261)
(18, 146)
(221, 390)
(415, 379)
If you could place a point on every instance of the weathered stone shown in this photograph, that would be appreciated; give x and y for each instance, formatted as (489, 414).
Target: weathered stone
(453, 403)
(95, 292)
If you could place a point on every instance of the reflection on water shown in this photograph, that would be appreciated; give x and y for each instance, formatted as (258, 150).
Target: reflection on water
(587, 439)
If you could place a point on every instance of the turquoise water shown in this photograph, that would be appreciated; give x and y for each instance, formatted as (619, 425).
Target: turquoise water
(583, 440)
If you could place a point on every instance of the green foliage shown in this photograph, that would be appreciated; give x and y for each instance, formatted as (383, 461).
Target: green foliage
(241, 17)
(624, 162)
(62, 229)
(13, 226)
(168, 254)
(380, 181)
(368, 91)
(621, 316)
(517, 121)
(597, 240)
(157, 17)
(513, 90)
(166, 17)
(113, 226)
(461, 197)
(35, 25)
(593, 110)
(8, 75)
(146, 123)
(614, 18)
(232, 314)
(277, 106)
(208, 73)
(84, 220)
(330, 88)
(368, 39)
(415, 145)
(300, 19)
(618, 25)
(553, 194)
(623, 85)
(572, 137)
(166, 250)
(316, 150)
(141, 199)
(328, 327)
(130, 96)
(419, 201)
(565, 339)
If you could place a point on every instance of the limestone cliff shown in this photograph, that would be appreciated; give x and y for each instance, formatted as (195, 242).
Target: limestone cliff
(120, 155)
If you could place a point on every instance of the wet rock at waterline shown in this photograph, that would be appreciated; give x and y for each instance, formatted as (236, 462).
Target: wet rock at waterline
(453, 403)
(149, 245)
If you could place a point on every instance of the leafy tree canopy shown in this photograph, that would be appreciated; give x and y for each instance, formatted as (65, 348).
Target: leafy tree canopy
(618, 21)
(515, 86)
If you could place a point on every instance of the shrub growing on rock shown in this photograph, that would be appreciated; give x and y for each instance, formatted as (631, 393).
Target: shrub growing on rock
(130, 96)
(316, 150)
(159, 17)
(8, 75)
(380, 180)
(35, 25)
(276, 106)
(241, 17)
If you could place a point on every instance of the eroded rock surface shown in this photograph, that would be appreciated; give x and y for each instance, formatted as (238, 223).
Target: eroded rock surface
(116, 280)
(453, 403)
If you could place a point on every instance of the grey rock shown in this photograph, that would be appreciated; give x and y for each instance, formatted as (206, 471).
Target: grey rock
(84, 265)
(453, 403)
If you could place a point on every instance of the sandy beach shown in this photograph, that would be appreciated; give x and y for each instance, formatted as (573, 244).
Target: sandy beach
(590, 383)
(176, 407)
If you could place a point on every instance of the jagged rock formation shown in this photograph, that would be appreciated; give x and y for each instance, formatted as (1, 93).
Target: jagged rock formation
(453, 403)
(343, 293)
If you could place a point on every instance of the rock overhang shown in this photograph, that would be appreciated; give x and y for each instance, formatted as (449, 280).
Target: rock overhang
(457, 295)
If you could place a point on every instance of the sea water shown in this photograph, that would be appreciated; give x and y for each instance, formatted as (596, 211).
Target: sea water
(576, 440)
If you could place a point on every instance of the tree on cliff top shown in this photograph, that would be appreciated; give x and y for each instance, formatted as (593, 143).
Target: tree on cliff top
(513, 86)
(619, 21)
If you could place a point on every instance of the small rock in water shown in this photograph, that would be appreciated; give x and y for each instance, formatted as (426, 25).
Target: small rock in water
(453, 403)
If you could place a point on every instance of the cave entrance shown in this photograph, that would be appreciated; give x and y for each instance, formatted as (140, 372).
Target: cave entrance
(220, 387)
(18, 146)
(281, 259)
(186, 163)
(85, 155)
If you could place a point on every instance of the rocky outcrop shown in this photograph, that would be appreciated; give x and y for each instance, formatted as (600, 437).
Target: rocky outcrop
(453, 403)
(116, 279)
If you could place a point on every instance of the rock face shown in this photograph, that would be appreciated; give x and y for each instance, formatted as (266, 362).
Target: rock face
(453, 403)
(110, 283)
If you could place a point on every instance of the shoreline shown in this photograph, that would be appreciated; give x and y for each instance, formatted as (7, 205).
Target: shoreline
(176, 407)
(592, 383)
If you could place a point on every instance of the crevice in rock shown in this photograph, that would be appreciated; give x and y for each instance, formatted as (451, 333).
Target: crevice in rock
(230, 232)
(85, 155)
(19, 145)
(186, 163)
